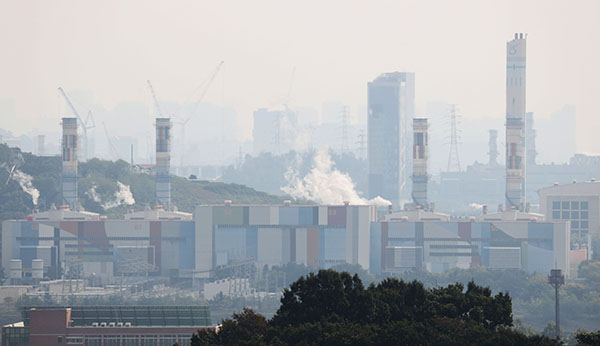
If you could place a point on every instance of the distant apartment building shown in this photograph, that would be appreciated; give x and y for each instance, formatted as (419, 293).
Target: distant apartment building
(106, 325)
(391, 108)
(577, 203)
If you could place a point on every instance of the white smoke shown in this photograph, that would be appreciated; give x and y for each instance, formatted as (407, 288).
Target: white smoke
(26, 182)
(476, 206)
(325, 184)
(123, 196)
(91, 193)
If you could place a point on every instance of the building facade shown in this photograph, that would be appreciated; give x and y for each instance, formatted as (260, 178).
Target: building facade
(576, 203)
(437, 246)
(317, 236)
(391, 108)
(107, 326)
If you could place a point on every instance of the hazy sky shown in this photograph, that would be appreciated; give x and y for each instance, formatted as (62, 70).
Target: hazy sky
(456, 48)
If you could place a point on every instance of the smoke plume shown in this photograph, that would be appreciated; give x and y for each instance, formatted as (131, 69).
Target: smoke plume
(122, 197)
(325, 184)
(26, 182)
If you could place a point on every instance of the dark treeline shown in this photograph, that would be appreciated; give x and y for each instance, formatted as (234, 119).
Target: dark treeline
(331, 308)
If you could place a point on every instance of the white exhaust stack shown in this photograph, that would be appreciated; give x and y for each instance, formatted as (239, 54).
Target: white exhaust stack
(515, 121)
(69, 162)
(420, 154)
(163, 162)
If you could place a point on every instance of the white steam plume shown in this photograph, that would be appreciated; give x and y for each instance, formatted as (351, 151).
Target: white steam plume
(91, 193)
(26, 182)
(325, 184)
(123, 196)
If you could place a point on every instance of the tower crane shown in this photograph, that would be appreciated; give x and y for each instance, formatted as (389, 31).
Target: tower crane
(156, 104)
(203, 90)
(84, 124)
(111, 145)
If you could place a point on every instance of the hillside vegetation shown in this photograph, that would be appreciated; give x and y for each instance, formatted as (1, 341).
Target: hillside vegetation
(105, 187)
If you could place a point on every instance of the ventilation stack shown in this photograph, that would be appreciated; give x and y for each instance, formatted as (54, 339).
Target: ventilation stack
(515, 121)
(420, 153)
(69, 162)
(163, 162)
(493, 148)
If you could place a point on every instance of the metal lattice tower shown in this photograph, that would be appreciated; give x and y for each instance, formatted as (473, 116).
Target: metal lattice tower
(453, 160)
(362, 144)
(344, 115)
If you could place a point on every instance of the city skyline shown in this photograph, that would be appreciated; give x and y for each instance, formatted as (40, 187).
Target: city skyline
(178, 51)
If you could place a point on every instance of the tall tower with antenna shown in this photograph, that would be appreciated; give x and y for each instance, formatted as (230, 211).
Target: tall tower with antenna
(453, 160)
(493, 148)
(344, 115)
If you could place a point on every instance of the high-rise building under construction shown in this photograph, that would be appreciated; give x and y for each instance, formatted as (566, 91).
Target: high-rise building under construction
(515, 121)
(391, 98)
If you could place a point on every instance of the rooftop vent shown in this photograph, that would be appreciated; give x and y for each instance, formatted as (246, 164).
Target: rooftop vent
(346, 202)
(287, 202)
(228, 202)
(556, 183)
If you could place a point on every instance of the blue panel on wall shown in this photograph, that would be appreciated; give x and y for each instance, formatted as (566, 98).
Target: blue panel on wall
(28, 253)
(541, 230)
(306, 215)
(288, 215)
(30, 230)
(187, 255)
(375, 248)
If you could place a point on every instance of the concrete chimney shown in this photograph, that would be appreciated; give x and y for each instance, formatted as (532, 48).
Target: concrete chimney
(420, 154)
(515, 121)
(69, 162)
(163, 162)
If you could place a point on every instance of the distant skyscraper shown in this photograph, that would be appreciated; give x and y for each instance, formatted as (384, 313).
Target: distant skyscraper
(515, 121)
(391, 107)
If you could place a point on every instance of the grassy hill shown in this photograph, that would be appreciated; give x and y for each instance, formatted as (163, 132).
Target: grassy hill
(105, 187)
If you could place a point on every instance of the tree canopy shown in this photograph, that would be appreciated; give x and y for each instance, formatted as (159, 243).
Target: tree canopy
(332, 308)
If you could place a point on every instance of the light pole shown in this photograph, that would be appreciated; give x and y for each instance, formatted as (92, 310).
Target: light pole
(556, 279)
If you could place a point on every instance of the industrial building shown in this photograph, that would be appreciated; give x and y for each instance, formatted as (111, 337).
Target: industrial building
(437, 246)
(106, 325)
(317, 236)
(65, 241)
(391, 108)
(577, 203)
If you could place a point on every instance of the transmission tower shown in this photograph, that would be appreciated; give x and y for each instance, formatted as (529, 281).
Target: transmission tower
(453, 160)
(362, 146)
(344, 115)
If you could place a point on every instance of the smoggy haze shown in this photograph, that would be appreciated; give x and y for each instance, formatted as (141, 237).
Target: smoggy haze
(457, 51)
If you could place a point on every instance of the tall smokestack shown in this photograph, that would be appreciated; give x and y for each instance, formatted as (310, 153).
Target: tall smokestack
(163, 162)
(493, 148)
(420, 153)
(515, 121)
(69, 161)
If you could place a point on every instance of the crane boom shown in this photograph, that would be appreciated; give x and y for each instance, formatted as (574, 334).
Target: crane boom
(204, 90)
(160, 113)
(60, 89)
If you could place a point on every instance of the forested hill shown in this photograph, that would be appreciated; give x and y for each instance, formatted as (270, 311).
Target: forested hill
(105, 187)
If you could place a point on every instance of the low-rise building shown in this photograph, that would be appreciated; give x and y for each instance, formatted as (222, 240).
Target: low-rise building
(106, 325)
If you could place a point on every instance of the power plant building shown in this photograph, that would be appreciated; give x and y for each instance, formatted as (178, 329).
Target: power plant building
(437, 246)
(317, 236)
(391, 108)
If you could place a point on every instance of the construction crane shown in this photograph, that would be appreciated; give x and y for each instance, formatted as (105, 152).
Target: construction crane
(156, 104)
(111, 145)
(203, 90)
(84, 124)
